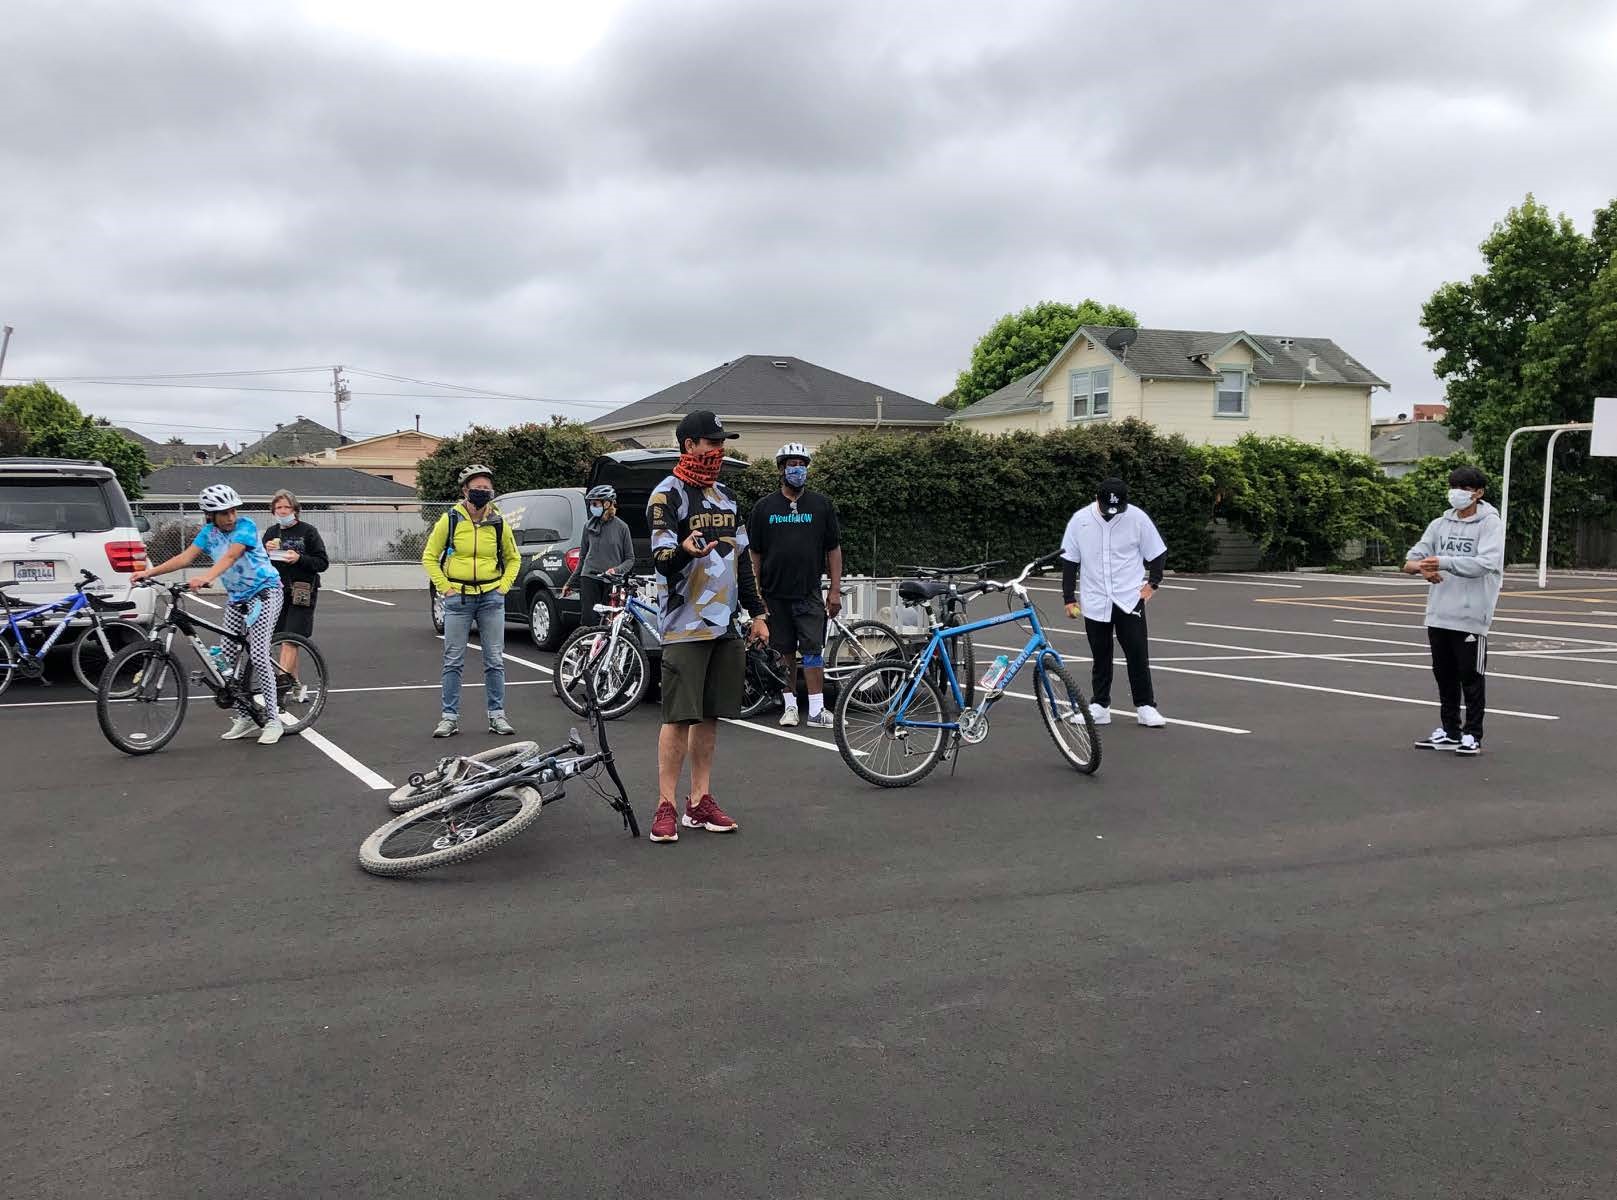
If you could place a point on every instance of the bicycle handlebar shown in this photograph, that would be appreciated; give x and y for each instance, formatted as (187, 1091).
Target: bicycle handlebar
(925, 572)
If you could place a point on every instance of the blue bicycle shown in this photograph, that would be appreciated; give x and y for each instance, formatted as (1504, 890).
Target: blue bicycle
(893, 725)
(94, 649)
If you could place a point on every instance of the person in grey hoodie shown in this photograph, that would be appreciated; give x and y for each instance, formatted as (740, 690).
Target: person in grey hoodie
(1462, 556)
(606, 546)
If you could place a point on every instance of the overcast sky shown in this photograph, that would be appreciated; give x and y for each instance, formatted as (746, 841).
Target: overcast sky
(586, 202)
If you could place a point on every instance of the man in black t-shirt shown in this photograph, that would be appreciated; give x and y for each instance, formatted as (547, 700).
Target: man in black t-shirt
(793, 538)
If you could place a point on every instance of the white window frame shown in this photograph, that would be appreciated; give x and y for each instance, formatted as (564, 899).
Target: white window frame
(1081, 390)
(1246, 393)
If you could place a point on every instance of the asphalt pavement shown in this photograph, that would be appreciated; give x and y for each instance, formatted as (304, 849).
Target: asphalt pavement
(1272, 951)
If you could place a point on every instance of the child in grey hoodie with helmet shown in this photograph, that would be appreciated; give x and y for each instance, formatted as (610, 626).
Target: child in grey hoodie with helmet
(1462, 556)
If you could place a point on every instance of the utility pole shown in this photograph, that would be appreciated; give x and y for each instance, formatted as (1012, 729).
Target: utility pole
(339, 392)
(5, 340)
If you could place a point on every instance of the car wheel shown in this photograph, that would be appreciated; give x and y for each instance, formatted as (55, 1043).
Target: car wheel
(435, 606)
(544, 620)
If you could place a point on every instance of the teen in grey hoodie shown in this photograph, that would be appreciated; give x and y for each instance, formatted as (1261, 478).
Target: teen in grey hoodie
(607, 545)
(1462, 556)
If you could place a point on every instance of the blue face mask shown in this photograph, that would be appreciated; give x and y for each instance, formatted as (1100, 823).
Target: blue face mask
(796, 476)
(286, 520)
(597, 509)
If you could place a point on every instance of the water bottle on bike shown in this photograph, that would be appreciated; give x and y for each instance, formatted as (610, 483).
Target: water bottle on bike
(996, 673)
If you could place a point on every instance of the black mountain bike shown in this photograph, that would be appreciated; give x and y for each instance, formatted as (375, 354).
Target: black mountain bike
(466, 806)
(949, 610)
(144, 691)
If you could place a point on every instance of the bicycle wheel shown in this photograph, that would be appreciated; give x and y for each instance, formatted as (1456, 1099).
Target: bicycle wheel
(620, 681)
(1066, 715)
(762, 681)
(438, 783)
(864, 642)
(99, 645)
(8, 664)
(301, 696)
(876, 748)
(140, 701)
(449, 831)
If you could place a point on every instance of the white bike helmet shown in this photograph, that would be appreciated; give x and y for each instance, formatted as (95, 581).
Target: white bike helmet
(793, 450)
(218, 497)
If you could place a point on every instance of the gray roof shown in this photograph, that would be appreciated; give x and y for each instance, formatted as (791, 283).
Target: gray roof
(308, 483)
(165, 453)
(772, 385)
(1011, 398)
(302, 436)
(1171, 354)
(1414, 440)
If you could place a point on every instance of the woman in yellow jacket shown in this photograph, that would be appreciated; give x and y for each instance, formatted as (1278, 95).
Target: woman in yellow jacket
(471, 558)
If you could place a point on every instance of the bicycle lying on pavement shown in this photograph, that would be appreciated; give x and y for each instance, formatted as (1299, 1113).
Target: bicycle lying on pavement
(466, 806)
(95, 648)
(142, 695)
(893, 725)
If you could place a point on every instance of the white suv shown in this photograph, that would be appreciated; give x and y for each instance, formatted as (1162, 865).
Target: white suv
(58, 517)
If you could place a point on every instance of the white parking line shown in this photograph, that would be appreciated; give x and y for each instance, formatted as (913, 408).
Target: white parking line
(205, 603)
(1346, 637)
(1554, 637)
(1246, 582)
(510, 658)
(343, 759)
(366, 599)
(782, 733)
(1314, 687)
(1340, 580)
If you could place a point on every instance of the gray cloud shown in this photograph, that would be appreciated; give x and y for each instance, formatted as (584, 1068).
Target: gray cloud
(868, 186)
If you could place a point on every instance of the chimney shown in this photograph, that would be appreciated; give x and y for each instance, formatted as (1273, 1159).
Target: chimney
(1313, 364)
(418, 422)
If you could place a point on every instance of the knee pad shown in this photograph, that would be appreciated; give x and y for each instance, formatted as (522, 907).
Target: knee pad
(814, 660)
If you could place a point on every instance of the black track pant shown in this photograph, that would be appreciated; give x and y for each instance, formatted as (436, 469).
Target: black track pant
(1136, 649)
(1460, 662)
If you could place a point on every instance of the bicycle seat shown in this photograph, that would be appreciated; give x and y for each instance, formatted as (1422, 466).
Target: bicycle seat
(100, 605)
(917, 590)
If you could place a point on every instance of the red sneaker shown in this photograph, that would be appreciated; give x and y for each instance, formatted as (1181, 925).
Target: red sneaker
(706, 814)
(665, 825)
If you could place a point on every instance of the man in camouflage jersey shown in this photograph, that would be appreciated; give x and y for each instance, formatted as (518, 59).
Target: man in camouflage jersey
(699, 550)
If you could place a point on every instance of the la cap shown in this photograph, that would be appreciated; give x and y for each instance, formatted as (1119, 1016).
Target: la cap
(701, 424)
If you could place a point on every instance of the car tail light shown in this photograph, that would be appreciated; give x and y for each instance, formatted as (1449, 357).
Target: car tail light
(573, 557)
(126, 557)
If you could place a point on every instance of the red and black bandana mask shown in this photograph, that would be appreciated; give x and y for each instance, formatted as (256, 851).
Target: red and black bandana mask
(700, 468)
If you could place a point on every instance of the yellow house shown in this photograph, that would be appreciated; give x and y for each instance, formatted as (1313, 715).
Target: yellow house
(392, 456)
(1210, 387)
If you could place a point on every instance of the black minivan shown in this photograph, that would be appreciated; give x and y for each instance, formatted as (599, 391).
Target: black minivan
(548, 524)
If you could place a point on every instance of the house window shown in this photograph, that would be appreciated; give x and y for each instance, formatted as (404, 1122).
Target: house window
(1091, 393)
(1232, 394)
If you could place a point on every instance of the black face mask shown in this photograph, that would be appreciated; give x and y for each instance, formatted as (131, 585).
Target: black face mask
(1112, 497)
(479, 497)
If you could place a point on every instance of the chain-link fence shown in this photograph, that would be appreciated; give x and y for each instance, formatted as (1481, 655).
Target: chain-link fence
(354, 532)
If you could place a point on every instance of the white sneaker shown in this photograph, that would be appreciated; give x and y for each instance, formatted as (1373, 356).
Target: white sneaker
(788, 719)
(1149, 717)
(272, 733)
(822, 720)
(1100, 714)
(244, 727)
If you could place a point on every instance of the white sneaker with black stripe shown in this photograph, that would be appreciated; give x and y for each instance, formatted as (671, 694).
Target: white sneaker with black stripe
(1469, 747)
(1438, 740)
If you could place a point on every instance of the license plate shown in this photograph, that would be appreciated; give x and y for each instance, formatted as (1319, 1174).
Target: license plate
(34, 572)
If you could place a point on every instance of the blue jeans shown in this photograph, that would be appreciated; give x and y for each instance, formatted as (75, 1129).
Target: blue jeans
(487, 612)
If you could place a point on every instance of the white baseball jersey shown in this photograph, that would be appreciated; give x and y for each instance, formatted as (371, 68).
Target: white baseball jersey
(1111, 557)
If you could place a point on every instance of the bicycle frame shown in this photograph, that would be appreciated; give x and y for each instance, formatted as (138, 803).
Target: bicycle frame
(68, 606)
(178, 620)
(937, 646)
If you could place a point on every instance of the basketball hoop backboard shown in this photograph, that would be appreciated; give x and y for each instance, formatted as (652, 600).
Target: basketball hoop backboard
(1603, 440)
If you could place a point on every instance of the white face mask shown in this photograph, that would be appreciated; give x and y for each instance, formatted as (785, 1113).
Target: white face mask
(1461, 498)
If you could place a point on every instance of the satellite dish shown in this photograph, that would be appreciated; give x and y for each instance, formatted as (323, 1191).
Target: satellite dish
(1120, 341)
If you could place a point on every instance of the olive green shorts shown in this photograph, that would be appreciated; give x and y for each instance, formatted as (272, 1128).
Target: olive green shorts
(702, 680)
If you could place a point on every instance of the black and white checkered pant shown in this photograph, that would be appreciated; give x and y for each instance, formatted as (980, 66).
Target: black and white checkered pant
(258, 640)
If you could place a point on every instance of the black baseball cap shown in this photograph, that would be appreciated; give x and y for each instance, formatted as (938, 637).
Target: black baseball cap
(701, 424)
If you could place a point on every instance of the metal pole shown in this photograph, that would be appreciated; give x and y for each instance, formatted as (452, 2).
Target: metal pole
(5, 340)
(1504, 497)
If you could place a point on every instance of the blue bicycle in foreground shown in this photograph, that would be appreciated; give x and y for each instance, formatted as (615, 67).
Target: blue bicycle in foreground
(893, 725)
(101, 640)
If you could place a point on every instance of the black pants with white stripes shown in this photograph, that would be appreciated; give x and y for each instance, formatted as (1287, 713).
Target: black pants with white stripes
(1460, 663)
(1131, 635)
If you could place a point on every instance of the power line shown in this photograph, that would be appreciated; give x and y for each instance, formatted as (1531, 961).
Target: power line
(109, 377)
(480, 391)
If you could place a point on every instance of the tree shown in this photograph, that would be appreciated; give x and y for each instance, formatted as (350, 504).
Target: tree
(37, 419)
(37, 407)
(1019, 343)
(176, 440)
(525, 456)
(1531, 341)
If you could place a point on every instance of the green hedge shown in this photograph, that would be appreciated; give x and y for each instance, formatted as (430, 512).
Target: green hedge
(956, 496)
